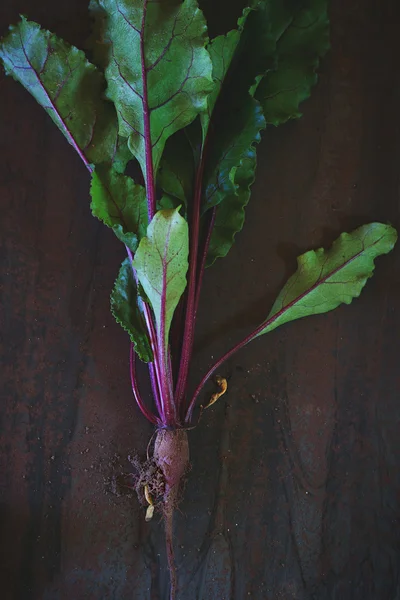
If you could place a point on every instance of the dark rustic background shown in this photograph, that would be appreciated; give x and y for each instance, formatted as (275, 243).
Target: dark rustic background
(295, 487)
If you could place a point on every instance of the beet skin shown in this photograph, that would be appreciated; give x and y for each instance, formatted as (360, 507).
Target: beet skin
(171, 455)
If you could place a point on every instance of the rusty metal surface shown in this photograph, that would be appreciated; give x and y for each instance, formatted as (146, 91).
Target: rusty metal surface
(295, 487)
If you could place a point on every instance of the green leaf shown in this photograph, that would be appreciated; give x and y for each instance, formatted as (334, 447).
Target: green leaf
(267, 47)
(326, 278)
(159, 70)
(124, 307)
(264, 26)
(161, 263)
(68, 87)
(299, 50)
(239, 131)
(168, 202)
(230, 214)
(120, 204)
(236, 118)
(222, 51)
(176, 173)
(122, 155)
(96, 43)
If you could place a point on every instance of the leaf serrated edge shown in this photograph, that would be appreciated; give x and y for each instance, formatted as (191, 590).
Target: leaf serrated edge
(113, 306)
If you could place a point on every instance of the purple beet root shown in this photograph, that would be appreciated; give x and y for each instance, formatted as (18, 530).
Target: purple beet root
(171, 455)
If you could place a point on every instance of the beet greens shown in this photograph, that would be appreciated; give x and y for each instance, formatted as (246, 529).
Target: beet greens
(187, 113)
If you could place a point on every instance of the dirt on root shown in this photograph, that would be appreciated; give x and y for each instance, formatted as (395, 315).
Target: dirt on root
(144, 473)
(147, 476)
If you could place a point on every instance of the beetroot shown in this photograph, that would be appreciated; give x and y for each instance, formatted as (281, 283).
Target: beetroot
(171, 455)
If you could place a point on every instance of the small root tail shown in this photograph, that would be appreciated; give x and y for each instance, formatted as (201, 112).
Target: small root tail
(169, 541)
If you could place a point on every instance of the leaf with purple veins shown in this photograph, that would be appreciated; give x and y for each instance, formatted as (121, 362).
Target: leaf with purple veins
(159, 73)
(121, 204)
(327, 278)
(66, 85)
(161, 264)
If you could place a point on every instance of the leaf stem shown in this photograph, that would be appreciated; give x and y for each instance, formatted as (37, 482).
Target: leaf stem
(162, 357)
(265, 324)
(176, 334)
(191, 306)
(156, 390)
(145, 411)
(230, 353)
(201, 271)
(204, 256)
(155, 371)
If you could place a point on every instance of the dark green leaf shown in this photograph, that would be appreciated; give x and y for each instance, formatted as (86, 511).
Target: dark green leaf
(122, 155)
(264, 26)
(222, 51)
(326, 278)
(124, 307)
(236, 118)
(167, 203)
(68, 87)
(239, 131)
(97, 44)
(230, 213)
(120, 204)
(176, 174)
(158, 67)
(271, 41)
(299, 50)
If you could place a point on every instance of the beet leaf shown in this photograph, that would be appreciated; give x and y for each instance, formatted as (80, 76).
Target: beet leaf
(327, 278)
(298, 52)
(176, 173)
(324, 279)
(125, 306)
(287, 38)
(222, 51)
(230, 213)
(120, 204)
(68, 87)
(159, 73)
(161, 264)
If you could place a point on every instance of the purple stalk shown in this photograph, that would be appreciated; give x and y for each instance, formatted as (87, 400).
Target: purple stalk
(154, 367)
(204, 257)
(191, 306)
(259, 329)
(149, 415)
(156, 391)
(161, 352)
(160, 370)
(153, 342)
(176, 333)
(214, 368)
(200, 277)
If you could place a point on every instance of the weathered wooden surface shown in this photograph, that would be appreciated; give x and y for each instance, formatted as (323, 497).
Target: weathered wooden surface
(295, 487)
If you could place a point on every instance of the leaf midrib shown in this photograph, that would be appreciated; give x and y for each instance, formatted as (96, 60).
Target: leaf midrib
(67, 132)
(319, 282)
